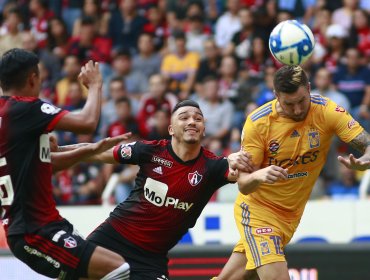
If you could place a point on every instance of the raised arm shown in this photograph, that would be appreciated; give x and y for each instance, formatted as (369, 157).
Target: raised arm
(362, 144)
(100, 152)
(87, 119)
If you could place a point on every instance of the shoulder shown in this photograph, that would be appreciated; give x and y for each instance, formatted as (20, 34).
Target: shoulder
(317, 99)
(261, 113)
(211, 156)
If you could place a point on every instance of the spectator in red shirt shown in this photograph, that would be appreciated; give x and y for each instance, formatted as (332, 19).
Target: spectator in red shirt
(57, 40)
(157, 99)
(39, 21)
(360, 32)
(125, 122)
(88, 45)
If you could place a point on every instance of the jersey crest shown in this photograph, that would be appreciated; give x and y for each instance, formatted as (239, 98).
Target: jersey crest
(194, 178)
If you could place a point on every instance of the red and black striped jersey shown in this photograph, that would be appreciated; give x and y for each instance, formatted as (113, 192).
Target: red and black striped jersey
(169, 194)
(25, 163)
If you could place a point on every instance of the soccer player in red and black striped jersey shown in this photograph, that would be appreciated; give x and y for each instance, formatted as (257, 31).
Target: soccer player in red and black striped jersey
(175, 181)
(36, 233)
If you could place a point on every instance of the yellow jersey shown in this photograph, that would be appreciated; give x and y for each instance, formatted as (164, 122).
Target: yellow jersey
(300, 147)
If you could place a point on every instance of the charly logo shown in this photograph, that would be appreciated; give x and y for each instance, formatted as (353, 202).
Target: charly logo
(313, 138)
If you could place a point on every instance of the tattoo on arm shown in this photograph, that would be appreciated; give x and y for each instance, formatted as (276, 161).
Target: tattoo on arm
(361, 141)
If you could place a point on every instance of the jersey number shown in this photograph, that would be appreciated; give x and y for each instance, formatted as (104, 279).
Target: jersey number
(6, 187)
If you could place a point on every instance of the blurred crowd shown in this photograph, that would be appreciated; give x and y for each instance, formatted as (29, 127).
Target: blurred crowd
(153, 53)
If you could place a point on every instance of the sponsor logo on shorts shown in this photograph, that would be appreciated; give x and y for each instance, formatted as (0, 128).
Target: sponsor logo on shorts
(126, 152)
(37, 253)
(194, 178)
(161, 161)
(264, 230)
(70, 242)
(298, 175)
(265, 249)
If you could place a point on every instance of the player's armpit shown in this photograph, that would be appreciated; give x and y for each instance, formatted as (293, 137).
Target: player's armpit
(361, 142)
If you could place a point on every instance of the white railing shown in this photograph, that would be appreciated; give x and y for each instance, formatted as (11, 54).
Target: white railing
(109, 188)
(364, 185)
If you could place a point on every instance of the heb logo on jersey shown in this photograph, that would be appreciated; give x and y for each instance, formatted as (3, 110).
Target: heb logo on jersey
(156, 193)
(264, 230)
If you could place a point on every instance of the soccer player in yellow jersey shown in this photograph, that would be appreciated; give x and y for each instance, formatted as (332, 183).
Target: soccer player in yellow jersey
(288, 139)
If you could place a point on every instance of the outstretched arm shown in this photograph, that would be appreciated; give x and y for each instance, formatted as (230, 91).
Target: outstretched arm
(87, 152)
(361, 143)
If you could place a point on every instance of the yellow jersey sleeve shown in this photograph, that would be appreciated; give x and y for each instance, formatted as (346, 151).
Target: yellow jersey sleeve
(252, 142)
(343, 124)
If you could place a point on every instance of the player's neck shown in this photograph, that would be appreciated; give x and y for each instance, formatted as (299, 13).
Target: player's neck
(16, 92)
(186, 151)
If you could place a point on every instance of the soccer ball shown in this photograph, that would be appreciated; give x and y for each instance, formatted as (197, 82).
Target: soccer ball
(291, 42)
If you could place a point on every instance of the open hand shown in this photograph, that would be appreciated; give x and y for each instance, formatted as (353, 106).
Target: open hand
(351, 162)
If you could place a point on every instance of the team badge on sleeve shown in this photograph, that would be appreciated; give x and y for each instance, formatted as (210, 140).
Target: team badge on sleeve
(194, 178)
(126, 152)
(49, 109)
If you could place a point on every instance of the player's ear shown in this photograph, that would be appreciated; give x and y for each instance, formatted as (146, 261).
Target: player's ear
(309, 87)
(275, 94)
(32, 78)
(170, 130)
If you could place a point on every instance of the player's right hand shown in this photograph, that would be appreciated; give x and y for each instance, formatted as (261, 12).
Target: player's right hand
(107, 143)
(90, 75)
(271, 174)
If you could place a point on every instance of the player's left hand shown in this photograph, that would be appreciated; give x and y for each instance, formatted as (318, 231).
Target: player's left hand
(240, 161)
(351, 162)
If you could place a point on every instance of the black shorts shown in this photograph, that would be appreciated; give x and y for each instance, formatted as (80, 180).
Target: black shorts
(55, 250)
(143, 264)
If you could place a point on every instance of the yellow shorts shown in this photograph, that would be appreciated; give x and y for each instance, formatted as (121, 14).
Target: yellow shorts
(263, 235)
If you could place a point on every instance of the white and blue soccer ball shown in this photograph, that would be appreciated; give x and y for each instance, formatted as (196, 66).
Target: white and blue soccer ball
(291, 42)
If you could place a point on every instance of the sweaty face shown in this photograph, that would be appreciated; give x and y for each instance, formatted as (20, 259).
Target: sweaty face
(295, 105)
(187, 125)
